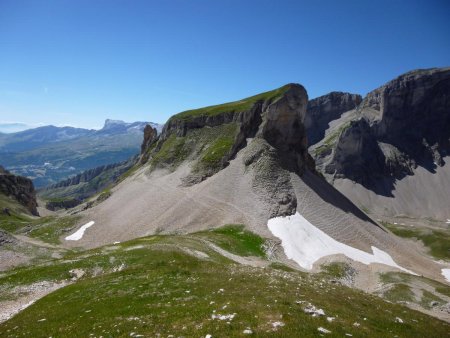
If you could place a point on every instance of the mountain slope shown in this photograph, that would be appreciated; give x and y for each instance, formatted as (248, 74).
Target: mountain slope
(50, 154)
(238, 163)
(207, 283)
(390, 154)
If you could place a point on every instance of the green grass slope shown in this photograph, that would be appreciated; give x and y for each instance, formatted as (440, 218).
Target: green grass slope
(178, 286)
(437, 241)
(236, 106)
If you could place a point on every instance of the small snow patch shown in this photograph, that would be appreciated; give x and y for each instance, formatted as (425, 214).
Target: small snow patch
(247, 331)
(42, 320)
(446, 274)
(305, 244)
(398, 320)
(330, 319)
(77, 235)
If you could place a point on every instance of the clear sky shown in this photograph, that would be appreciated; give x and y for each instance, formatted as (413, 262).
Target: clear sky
(79, 62)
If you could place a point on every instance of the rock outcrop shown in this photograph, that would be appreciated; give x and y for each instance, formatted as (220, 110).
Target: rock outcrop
(70, 192)
(324, 109)
(396, 128)
(150, 138)
(20, 188)
(211, 137)
(277, 118)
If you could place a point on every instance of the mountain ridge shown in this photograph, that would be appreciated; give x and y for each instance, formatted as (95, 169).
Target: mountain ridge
(400, 130)
(49, 154)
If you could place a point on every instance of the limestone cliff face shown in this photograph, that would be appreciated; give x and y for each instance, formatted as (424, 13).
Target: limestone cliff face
(20, 188)
(283, 127)
(397, 127)
(324, 109)
(278, 120)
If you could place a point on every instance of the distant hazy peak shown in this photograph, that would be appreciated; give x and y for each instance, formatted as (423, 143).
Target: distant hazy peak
(110, 123)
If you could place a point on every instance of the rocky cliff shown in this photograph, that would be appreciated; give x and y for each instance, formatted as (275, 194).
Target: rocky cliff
(74, 189)
(324, 109)
(398, 127)
(19, 188)
(215, 134)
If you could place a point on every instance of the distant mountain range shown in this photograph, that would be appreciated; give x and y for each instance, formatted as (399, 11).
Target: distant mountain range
(49, 154)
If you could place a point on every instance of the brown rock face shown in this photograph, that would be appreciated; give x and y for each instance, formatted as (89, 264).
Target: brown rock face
(20, 188)
(150, 137)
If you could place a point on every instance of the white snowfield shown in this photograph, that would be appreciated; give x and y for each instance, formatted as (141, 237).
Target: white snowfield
(77, 235)
(446, 274)
(305, 244)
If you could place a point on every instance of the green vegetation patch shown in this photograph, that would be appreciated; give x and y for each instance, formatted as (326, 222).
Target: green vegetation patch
(428, 298)
(152, 287)
(235, 239)
(172, 151)
(236, 106)
(437, 241)
(399, 293)
(210, 145)
(47, 229)
(215, 152)
(335, 269)
(402, 282)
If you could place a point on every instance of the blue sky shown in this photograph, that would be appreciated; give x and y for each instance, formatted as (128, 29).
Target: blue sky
(79, 62)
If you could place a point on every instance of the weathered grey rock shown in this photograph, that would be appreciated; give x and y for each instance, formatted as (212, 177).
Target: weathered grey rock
(270, 181)
(324, 109)
(6, 238)
(397, 127)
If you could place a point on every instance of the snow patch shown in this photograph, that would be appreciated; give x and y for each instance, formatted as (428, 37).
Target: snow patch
(305, 244)
(446, 274)
(77, 235)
